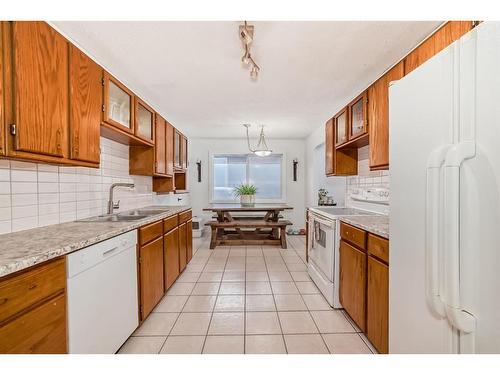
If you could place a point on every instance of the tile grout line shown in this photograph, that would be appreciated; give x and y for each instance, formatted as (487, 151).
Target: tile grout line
(218, 290)
(275, 305)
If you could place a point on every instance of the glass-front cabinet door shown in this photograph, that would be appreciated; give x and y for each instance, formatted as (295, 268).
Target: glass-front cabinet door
(177, 150)
(144, 121)
(118, 104)
(184, 158)
(357, 114)
(340, 121)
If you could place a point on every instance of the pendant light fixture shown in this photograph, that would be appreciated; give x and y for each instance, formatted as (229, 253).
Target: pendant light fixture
(261, 149)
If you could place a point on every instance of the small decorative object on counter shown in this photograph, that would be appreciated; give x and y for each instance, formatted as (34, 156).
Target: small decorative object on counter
(324, 199)
(246, 193)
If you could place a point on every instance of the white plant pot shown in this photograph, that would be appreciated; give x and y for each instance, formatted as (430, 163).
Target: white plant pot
(247, 200)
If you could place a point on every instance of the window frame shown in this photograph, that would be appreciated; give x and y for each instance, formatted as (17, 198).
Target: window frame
(211, 156)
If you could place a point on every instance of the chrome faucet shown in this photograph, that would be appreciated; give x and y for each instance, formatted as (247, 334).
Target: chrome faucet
(114, 206)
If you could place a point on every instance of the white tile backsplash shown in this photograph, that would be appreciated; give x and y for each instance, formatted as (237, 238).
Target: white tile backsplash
(365, 177)
(33, 195)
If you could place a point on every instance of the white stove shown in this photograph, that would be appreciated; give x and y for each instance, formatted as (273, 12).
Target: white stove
(323, 248)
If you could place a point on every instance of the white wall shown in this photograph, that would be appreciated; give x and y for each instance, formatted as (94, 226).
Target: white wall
(35, 195)
(337, 185)
(199, 149)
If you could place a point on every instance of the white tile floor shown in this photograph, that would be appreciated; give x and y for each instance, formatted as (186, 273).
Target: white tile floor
(254, 300)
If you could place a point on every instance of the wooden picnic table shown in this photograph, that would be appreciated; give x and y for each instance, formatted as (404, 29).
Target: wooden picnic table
(228, 229)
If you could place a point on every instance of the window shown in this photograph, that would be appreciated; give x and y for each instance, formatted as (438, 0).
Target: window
(230, 170)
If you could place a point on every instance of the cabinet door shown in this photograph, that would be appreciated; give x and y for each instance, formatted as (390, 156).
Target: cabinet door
(177, 149)
(118, 104)
(441, 39)
(2, 114)
(341, 120)
(169, 149)
(189, 240)
(378, 114)
(171, 255)
(41, 81)
(144, 121)
(329, 149)
(41, 330)
(160, 143)
(377, 314)
(182, 246)
(353, 282)
(357, 116)
(184, 155)
(151, 275)
(85, 90)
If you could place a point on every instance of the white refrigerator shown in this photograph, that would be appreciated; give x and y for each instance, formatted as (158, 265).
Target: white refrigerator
(444, 273)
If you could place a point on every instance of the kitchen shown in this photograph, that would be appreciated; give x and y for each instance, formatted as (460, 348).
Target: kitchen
(147, 208)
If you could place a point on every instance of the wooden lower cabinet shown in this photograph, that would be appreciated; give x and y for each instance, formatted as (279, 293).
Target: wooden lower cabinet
(189, 241)
(171, 257)
(151, 275)
(364, 283)
(182, 246)
(33, 310)
(377, 314)
(39, 331)
(353, 283)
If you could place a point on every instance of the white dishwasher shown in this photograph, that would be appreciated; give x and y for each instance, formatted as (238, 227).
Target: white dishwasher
(102, 295)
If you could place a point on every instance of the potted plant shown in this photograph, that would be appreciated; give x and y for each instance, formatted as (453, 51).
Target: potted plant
(246, 192)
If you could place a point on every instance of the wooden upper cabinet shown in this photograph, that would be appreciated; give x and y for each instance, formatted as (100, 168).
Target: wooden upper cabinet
(341, 123)
(85, 79)
(177, 149)
(40, 92)
(358, 120)
(118, 109)
(169, 149)
(160, 146)
(184, 152)
(329, 148)
(144, 121)
(442, 38)
(378, 115)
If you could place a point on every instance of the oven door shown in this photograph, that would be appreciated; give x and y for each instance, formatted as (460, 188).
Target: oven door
(322, 244)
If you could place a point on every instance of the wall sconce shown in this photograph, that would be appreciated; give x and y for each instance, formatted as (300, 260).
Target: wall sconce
(198, 167)
(295, 163)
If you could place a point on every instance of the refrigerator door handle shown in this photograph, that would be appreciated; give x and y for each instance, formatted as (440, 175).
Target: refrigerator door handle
(433, 216)
(457, 316)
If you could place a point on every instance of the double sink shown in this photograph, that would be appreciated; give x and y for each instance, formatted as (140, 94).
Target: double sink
(131, 215)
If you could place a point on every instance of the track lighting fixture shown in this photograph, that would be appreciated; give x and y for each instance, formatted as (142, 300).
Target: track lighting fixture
(246, 36)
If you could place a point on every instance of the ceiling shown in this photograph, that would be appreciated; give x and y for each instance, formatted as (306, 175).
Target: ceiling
(191, 72)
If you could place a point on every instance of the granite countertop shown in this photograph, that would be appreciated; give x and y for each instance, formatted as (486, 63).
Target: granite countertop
(20, 250)
(376, 224)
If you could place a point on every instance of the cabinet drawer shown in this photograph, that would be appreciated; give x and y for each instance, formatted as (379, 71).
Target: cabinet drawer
(353, 235)
(149, 232)
(185, 216)
(39, 331)
(378, 247)
(21, 291)
(170, 223)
